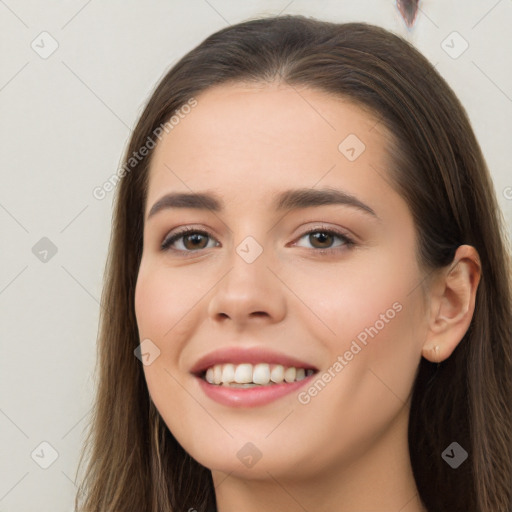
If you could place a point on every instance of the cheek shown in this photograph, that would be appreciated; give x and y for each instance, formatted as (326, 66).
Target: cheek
(161, 307)
(162, 302)
(373, 313)
(366, 295)
(164, 309)
(367, 383)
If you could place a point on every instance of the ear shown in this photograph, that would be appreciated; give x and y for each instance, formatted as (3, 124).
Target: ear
(452, 304)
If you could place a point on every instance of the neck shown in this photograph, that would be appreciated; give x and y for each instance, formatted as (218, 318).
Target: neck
(380, 479)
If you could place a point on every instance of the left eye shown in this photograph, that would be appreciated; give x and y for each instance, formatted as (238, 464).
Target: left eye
(324, 236)
(193, 240)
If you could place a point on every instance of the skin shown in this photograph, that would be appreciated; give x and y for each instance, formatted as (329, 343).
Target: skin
(346, 449)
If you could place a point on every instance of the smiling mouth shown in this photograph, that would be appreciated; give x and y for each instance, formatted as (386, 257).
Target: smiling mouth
(248, 375)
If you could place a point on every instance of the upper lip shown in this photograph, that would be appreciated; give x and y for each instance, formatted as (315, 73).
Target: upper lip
(238, 355)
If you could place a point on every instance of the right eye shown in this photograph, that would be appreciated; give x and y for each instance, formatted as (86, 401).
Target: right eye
(191, 239)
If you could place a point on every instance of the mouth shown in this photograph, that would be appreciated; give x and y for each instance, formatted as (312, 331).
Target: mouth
(250, 377)
(247, 375)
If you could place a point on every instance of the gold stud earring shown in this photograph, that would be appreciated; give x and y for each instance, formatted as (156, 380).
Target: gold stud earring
(437, 357)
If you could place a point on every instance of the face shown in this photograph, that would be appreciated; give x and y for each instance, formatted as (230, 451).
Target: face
(323, 293)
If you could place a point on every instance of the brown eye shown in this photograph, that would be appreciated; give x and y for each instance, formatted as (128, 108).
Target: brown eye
(323, 239)
(191, 240)
(194, 241)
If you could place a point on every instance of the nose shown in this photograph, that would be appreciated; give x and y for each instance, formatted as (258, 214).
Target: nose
(250, 291)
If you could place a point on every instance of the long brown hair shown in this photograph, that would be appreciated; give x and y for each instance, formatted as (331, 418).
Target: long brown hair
(134, 462)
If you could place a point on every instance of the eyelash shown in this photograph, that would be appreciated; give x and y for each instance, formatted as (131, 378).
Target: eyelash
(348, 242)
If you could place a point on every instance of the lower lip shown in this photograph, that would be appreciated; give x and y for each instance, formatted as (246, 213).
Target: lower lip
(250, 397)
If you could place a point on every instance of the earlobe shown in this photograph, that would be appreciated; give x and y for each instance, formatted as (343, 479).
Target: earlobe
(452, 305)
(432, 353)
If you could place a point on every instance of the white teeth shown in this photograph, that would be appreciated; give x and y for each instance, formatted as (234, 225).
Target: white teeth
(290, 374)
(247, 375)
(217, 374)
(228, 373)
(277, 374)
(243, 373)
(261, 374)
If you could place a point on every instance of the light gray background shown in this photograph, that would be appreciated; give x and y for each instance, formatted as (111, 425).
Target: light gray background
(65, 120)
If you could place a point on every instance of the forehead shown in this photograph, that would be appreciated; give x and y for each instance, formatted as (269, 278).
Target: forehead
(251, 140)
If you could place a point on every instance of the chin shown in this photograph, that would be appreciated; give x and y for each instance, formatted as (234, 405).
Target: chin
(255, 459)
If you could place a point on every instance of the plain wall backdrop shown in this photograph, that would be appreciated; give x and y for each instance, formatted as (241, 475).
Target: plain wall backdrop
(74, 78)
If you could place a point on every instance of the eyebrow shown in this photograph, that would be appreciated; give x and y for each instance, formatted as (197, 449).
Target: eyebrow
(293, 199)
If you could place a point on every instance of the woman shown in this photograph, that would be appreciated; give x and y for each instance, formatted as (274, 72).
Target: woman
(308, 287)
